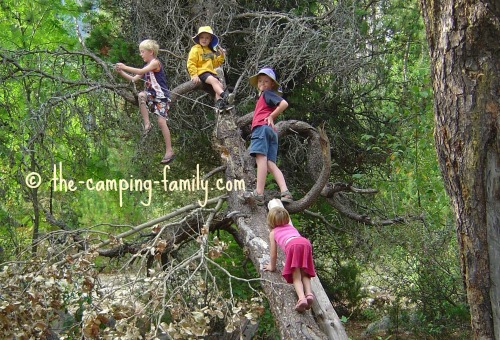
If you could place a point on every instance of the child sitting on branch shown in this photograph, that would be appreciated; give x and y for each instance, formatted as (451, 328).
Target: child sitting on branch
(204, 57)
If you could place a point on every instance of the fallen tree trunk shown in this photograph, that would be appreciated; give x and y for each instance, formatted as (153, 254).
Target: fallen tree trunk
(254, 232)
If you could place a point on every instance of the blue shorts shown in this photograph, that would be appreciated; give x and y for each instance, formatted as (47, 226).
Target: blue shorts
(264, 142)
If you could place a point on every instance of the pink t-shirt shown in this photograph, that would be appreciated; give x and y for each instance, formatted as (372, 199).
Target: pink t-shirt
(283, 232)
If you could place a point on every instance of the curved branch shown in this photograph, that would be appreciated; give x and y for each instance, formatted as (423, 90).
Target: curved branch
(316, 158)
(318, 155)
(319, 158)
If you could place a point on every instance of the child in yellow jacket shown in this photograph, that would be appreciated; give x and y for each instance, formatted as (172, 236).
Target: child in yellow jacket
(203, 58)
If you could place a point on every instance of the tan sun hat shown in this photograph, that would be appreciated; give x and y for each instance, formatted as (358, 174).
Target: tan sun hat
(275, 203)
(207, 29)
(268, 72)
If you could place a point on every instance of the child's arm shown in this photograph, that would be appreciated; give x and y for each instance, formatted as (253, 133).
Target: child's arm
(273, 253)
(191, 64)
(221, 55)
(138, 72)
(280, 108)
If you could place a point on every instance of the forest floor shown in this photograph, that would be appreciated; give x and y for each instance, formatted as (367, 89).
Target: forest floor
(355, 330)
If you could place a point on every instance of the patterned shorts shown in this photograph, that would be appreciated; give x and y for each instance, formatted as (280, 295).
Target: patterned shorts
(159, 107)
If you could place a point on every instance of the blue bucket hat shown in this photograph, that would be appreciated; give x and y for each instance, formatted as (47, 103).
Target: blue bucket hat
(268, 72)
(207, 29)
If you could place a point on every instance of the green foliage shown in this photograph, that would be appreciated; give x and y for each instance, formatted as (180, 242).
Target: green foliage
(343, 285)
(29, 25)
(418, 262)
(267, 329)
(378, 117)
(384, 140)
(449, 322)
(105, 39)
(370, 314)
(231, 258)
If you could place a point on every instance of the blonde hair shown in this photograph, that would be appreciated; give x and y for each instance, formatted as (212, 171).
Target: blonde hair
(277, 216)
(150, 45)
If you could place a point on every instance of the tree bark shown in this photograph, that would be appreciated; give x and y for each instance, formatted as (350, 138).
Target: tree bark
(465, 64)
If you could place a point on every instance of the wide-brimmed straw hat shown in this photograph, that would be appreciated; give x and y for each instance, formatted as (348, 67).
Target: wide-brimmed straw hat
(268, 72)
(207, 29)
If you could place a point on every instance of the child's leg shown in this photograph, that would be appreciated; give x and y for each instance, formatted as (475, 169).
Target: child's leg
(143, 108)
(262, 163)
(306, 283)
(298, 283)
(216, 85)
(162, 123)
(278, 175)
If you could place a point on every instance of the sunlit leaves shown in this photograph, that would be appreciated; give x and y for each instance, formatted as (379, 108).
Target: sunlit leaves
(39, 24)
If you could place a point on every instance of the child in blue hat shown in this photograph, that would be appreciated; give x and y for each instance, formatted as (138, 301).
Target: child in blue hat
(264, 142)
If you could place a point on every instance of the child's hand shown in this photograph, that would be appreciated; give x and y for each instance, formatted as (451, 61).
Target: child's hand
(195, 79)
(118, 67)
(270, 121)
(269, 268)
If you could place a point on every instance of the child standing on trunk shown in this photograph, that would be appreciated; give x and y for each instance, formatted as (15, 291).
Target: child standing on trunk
(264, 142)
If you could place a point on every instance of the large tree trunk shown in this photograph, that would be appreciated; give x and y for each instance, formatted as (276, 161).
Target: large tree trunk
(254, 233)
(465, 57)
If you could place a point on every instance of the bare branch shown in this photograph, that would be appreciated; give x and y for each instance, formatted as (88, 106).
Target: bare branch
(143, 226)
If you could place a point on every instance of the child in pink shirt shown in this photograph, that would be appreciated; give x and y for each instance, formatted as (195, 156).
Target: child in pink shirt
(299, 265)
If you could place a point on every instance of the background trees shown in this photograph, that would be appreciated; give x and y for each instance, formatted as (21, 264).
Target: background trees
(359, 70)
